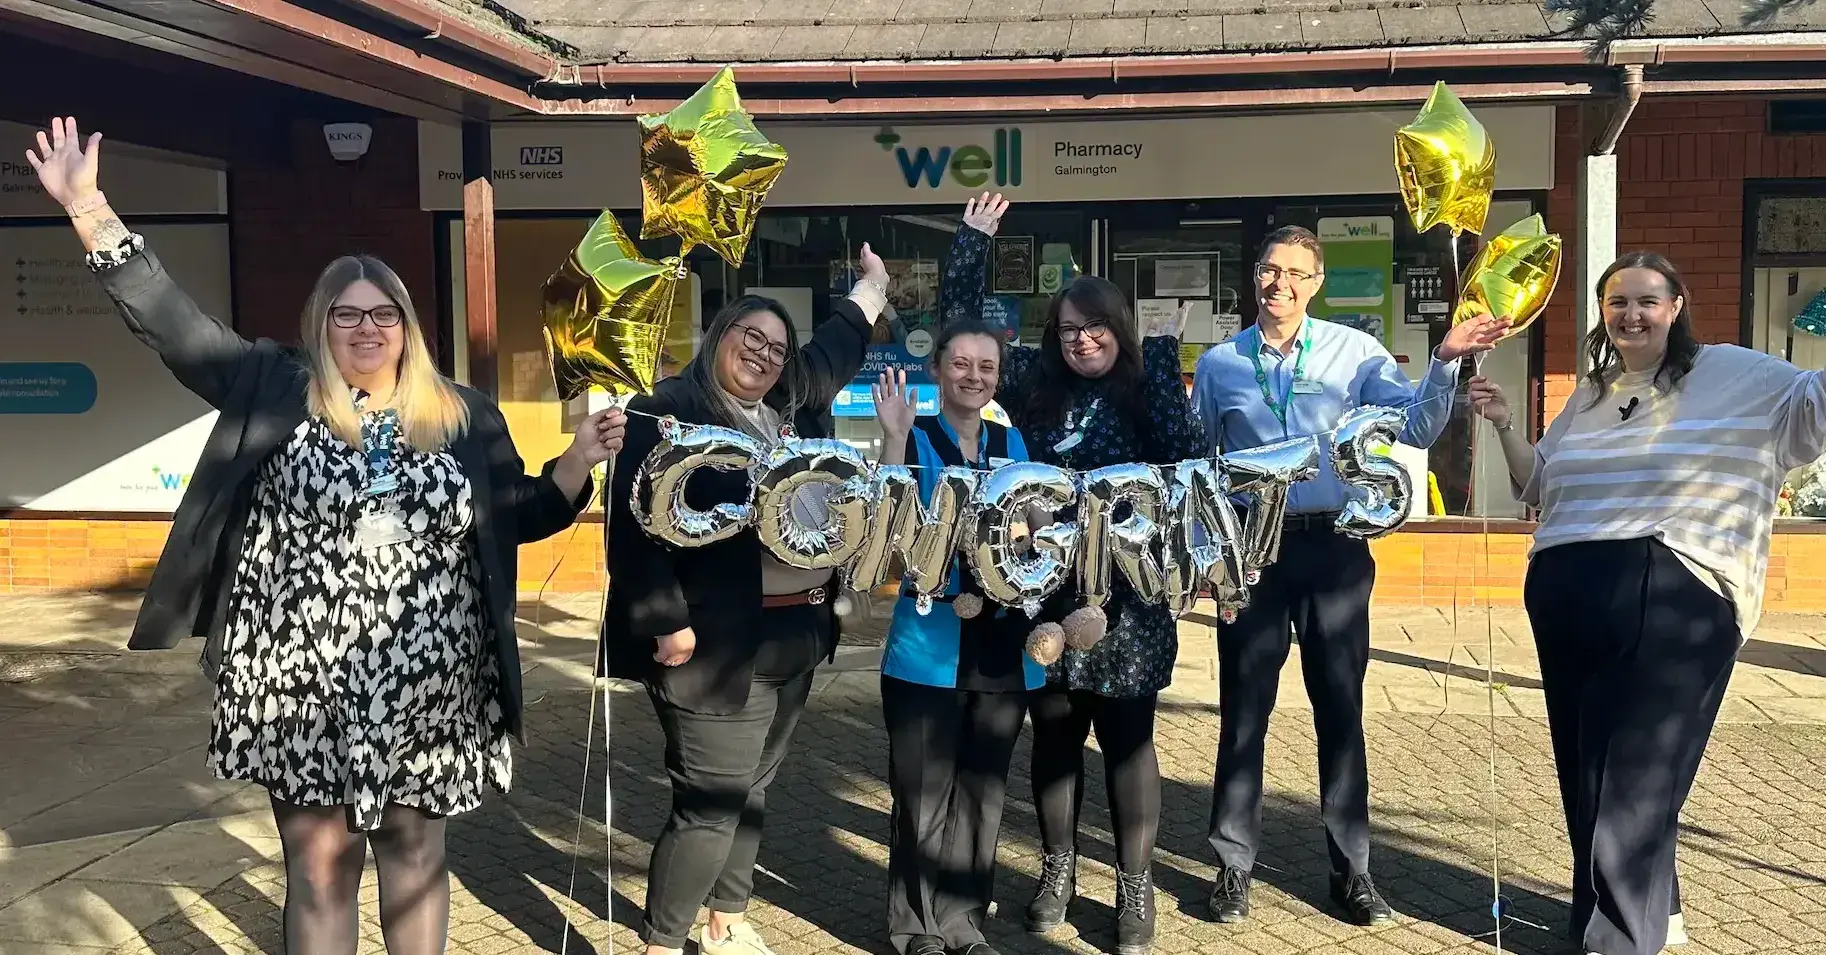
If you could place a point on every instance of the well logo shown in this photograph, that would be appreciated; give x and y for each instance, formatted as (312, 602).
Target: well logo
(972, 165)
(170, 480)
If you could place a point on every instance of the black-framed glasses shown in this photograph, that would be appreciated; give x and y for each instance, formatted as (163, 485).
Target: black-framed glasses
(1272, 273)
(757, 342)
(1097, 330)
(383, 316)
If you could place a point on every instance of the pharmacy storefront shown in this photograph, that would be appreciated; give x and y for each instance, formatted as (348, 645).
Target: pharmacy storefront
(1170, 209)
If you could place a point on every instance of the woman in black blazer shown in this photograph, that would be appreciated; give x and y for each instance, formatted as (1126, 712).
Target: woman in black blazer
(724, 636)
(347, 547)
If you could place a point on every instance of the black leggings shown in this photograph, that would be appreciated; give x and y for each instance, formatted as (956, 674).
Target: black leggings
(323, 863)
(1062, 722)
(1635, 656)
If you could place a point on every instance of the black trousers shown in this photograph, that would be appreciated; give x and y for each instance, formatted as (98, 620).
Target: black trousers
(1062, 722)
(1635, 655)
(1321, 587)
(948, 756)
(720, 768)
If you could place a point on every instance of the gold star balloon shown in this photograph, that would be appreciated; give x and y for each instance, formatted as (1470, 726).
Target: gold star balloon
(705, 169)
(605, 313)
(1513, 276)
(1446, 164)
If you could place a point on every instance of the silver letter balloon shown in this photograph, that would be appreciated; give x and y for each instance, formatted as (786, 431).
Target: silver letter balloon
(1384, 492)
(659, 489)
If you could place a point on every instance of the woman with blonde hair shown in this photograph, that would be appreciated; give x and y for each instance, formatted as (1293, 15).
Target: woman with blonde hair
(347, 548)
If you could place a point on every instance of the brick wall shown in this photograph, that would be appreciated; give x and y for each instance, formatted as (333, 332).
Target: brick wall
(1681, 166)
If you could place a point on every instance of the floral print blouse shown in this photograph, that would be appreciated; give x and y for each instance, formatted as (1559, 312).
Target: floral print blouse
(1136, 656)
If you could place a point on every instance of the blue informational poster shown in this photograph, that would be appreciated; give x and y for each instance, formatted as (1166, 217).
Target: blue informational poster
(1003, 313)
(857, 401)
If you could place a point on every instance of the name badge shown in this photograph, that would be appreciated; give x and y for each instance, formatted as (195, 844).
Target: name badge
(1307, 386)
(381, 527)
(995, 462)
(1070, 441)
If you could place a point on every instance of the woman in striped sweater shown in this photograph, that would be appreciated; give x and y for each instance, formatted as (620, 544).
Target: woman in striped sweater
(1657, 492)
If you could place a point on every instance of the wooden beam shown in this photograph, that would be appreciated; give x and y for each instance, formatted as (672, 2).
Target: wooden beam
(479, 255)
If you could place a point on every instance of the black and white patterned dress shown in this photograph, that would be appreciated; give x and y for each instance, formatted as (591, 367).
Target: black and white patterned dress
(359, 676)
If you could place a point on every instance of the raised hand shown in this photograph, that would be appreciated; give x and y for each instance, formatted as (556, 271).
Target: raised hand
(873, 269)
(1472, 336)
(985, 214)
(65, 168)
(893, 405)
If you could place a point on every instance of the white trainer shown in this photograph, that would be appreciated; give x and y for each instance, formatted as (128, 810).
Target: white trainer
(742, 940)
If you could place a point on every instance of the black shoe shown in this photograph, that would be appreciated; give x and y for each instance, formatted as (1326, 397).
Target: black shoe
(975, 948)
(1230, 898)
(1058, 883)
(1358, 897)
(1134, 912)
(925, 945)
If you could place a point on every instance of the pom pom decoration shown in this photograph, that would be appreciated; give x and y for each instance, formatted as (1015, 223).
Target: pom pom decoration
(967, 606)
(1084, 627)
(1046, 644)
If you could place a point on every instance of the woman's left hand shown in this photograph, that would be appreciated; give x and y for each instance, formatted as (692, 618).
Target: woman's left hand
(599, 437)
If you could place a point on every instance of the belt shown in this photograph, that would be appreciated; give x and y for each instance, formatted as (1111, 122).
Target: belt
(804, 598)
(1323, 521)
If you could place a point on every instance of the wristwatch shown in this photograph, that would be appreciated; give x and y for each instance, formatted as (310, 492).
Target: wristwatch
(101, 260)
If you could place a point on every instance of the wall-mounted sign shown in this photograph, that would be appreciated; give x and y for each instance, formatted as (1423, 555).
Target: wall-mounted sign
(560, 164)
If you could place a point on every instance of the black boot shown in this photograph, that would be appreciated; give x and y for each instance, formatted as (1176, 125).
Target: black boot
(1058, 883)
(1134, 912)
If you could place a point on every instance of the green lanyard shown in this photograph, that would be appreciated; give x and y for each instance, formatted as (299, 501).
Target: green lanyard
(1280, 407)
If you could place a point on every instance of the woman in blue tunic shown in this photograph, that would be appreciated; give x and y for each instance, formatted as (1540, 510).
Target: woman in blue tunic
(1093, 393)
(953, 691)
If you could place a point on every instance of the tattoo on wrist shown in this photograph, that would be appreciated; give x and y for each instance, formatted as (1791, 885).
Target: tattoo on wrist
(109, 233)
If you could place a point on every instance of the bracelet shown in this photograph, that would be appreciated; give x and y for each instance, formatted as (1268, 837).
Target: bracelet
(1505, 429)
(86, 205)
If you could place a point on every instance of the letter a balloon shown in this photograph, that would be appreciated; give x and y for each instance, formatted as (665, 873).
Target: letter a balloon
(1447, 166)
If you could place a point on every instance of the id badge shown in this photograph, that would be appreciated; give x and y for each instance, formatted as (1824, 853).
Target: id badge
(1307, 386)
(1070, 441)
(380, 527)
(995, 462)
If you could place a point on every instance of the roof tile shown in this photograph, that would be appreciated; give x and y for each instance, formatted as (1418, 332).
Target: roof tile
(894, 41)
(1077, 8)
(1505, 21)
(813, 43)
(739, 44)
(671, 44)
(1342, 29)
(931, 11)
(997, 11)
(1109, 35)
(1262, 31)
(1033, 38)
(1151, 6)
(1417, 25)
(946, 40)
(856, 12)
(1183, 34)
(793, 12)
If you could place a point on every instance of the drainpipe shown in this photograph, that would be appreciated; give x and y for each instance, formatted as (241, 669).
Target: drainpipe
(1630, 80)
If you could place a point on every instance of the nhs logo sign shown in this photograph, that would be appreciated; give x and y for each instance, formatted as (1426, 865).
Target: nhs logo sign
(541, 155)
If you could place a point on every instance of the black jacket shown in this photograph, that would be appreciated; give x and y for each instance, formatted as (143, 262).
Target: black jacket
(656, 590)
(259, 388)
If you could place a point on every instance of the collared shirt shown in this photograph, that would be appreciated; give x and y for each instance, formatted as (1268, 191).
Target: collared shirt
(1344, 369)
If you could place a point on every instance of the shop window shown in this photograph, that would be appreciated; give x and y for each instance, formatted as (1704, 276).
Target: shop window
(1788, 309)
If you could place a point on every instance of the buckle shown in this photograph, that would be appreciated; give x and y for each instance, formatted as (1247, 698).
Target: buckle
(815, 596)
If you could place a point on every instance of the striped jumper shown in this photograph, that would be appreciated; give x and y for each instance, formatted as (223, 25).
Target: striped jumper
(1698, 467)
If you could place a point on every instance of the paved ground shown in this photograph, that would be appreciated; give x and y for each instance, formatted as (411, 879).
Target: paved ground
(112, 839)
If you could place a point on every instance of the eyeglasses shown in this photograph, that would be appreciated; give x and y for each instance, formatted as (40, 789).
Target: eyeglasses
(384, 316)
(1069, 334)
(756, 341)
(1269, 274)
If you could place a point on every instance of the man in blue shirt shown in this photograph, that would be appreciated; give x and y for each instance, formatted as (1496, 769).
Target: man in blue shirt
(1285, 377)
